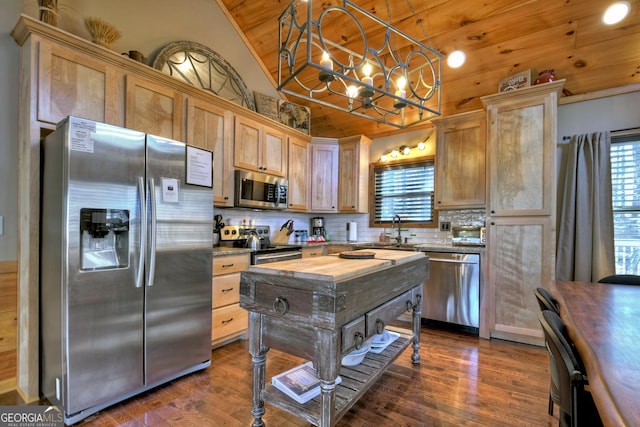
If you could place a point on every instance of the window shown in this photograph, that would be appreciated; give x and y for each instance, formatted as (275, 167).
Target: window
(404, 189)
(625, 186)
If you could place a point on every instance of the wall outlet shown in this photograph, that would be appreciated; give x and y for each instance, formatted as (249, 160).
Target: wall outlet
(445, 226)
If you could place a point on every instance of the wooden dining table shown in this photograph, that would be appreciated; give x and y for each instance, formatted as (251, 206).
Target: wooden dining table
(603, 320)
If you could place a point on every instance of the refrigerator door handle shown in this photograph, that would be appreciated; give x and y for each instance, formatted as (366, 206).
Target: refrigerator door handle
(143, 232)
(152, 248)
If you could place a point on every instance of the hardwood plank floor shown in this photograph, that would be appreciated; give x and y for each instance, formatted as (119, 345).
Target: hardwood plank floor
(462, 381)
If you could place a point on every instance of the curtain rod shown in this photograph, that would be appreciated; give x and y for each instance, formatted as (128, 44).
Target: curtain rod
(564, 138)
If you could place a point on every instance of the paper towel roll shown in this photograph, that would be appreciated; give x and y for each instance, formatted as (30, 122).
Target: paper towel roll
(352, 231)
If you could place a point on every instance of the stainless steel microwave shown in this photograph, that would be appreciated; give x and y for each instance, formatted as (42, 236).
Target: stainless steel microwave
(259, 190)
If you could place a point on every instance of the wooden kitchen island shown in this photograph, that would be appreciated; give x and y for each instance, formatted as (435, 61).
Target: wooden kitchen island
(321, 309)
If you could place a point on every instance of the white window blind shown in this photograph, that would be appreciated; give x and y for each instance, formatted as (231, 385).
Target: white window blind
(625, 195)
(404, 189)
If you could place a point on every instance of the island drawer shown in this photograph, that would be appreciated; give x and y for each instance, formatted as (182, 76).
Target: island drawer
(228, 320)
(283, 300)
(378, 318)
(353, 334)
(230, 263)
(226, 290)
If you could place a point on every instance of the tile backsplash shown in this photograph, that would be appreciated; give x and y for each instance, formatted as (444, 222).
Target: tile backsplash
(336, 224)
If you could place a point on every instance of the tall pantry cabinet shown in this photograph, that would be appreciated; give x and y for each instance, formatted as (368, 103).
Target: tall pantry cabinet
(521, 212)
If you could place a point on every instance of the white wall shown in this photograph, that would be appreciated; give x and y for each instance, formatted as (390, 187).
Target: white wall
(610, 113)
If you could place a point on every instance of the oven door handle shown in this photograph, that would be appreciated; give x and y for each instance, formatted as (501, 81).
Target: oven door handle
(276, 256)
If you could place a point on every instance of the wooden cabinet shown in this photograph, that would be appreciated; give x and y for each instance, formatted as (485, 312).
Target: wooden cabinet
(210, 127)
(228, 320)
(324, 176)
(353, 174)
(521, 215)
(153, 108)
(297, 197)
(313, 251)
(71, 83)
(460, 160)
(259, 148)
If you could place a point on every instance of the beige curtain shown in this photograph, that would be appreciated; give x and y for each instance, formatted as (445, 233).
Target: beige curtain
(585, 250)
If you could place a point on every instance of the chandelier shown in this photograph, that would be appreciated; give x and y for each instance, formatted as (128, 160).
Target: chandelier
(384, 75)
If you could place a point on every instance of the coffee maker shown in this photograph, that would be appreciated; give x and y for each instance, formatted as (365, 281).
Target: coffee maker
(317, 227)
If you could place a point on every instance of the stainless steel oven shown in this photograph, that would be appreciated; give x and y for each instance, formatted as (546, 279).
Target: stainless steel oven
(275, 254)
(236, 236)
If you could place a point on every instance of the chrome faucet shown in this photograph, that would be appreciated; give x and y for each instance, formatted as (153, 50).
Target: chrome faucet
(393, 222)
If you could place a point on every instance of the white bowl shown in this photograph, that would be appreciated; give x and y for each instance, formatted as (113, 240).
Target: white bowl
(357, 356)
(380, 339)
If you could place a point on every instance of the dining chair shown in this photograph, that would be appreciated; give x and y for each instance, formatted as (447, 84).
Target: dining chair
(576, 404)
(621, 279)
(547, 302)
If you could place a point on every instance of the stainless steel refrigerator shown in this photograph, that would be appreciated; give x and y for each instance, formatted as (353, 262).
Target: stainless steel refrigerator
(126, 262)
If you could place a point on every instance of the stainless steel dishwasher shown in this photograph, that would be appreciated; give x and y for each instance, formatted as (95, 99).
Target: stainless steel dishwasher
(452, 292)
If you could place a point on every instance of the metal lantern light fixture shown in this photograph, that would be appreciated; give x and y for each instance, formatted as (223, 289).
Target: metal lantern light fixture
(385, 75)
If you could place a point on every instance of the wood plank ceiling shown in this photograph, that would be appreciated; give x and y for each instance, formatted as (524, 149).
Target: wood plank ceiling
(499, 37)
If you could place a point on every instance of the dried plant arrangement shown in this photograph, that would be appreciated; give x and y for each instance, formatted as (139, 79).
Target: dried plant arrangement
(48, 11)
(102, 33)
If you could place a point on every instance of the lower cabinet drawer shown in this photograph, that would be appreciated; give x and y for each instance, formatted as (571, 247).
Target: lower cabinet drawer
(226, 290)
(228, 320)
(379, 317)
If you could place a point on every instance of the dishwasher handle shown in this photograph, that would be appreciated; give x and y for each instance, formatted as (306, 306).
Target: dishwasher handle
(452, 261)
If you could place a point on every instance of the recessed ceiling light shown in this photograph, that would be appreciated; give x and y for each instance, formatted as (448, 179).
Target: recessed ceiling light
(456, 59)
(616, 12)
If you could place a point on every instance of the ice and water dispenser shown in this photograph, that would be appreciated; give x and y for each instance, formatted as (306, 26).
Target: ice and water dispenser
(104, 238)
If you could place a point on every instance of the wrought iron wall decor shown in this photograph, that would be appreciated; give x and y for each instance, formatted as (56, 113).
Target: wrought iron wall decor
(385, 75)
(202, 67)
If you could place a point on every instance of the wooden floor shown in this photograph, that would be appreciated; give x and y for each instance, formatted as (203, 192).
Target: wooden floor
(462, 381)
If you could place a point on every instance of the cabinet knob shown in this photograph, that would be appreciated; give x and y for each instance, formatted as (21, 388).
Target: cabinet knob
(493, 212)
(493, 223)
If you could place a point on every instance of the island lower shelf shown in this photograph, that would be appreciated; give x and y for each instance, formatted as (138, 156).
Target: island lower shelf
(356, 380)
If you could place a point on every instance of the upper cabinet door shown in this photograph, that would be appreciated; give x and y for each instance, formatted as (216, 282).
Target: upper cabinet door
(521, 147)
(210, 127)
(298, 175)
(460, 160)
(153, 108)
(274, 152)
(70, 83)
(259, 148)
(353, 174)
(247, 144)
(324, 177)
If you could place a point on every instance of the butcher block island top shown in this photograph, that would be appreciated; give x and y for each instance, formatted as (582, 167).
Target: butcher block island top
(334, 268)
(323, 308)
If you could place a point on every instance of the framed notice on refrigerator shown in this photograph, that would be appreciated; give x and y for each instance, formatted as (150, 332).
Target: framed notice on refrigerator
(199, 167)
